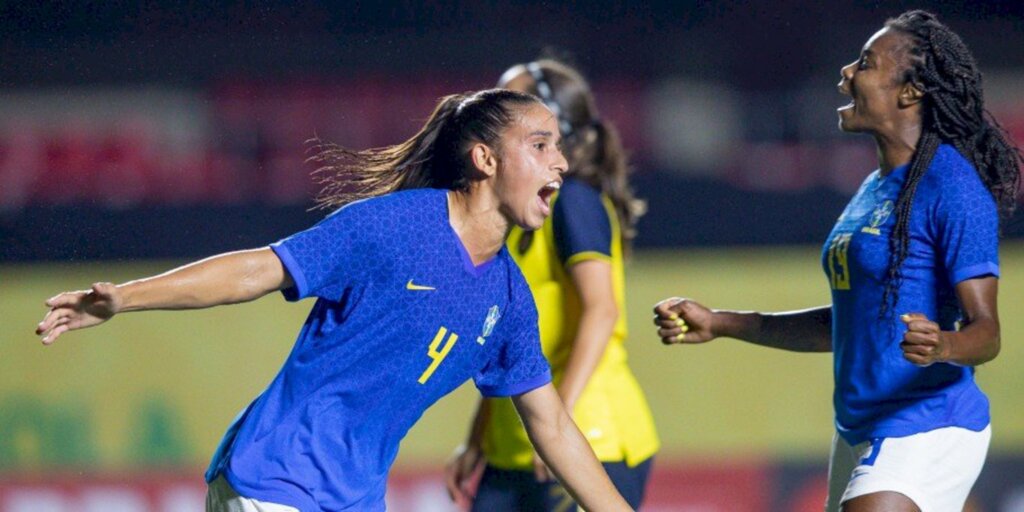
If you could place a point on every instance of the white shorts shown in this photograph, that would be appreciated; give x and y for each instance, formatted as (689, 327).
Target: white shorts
(935, 469)
(221, 497)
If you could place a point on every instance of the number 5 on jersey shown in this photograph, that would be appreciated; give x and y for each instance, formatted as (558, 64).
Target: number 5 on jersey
(438, 355)
(838, 264)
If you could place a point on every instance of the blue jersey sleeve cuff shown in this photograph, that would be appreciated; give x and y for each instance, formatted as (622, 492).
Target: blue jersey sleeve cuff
(301, 289)
(517, 388)
(987, 268)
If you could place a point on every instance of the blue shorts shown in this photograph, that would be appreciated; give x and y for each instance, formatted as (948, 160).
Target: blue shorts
(503, 490)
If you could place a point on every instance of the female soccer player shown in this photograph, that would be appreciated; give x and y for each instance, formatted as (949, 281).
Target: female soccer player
(914, 253)
(415, 294)
(574, 267)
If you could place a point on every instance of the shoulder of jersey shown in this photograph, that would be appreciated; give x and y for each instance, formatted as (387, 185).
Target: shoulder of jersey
(394, 206)
(950, 168)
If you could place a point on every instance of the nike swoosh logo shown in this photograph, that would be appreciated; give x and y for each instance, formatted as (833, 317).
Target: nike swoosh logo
(410, 286)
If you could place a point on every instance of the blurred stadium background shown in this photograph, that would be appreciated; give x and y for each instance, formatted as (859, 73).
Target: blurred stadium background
(134, 137)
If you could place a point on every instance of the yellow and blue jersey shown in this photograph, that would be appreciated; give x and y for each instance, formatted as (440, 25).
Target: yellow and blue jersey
(611, 412)
(402, 318)
(953, 233)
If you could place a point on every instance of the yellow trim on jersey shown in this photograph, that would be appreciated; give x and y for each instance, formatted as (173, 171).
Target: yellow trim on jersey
(586, 255)
(612, 412)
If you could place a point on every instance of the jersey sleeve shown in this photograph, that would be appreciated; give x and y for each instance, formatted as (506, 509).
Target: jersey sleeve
(518, 365)
(582, 226)
(323, 259)
(966, 224)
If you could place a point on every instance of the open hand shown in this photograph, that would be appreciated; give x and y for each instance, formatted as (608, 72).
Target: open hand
(924, 343)
(79, 309)
(682, 320)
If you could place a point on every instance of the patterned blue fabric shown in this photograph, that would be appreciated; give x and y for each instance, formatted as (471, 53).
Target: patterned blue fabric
(402, 318)
(953, 237)
(580, 221)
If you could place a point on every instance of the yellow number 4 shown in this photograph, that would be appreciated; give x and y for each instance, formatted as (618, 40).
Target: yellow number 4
(438, 355)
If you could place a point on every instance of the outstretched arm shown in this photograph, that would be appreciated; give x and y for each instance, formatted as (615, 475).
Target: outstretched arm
(565, 450)
(227, 278)
(685, 321)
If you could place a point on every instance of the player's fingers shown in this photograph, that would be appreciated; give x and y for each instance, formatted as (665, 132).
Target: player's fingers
(918, 349)
(669, 332)
(52, 317)
(54, 334)
(64, 299)
(680, 337)
(916, 359)
(666, 308)
(46, 333)
(923, 326)
(920, 338)
(73, 323)
(46, 323)
(666, 323)
(919, 359)
(910, 317)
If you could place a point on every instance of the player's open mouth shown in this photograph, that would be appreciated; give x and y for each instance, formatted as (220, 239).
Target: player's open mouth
(843, 89)
(545, 194)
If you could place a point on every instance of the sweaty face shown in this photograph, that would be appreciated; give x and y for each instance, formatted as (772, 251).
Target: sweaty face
(873, 84)
(530, 169)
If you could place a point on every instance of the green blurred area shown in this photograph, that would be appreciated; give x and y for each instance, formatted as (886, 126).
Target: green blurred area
(159, 388)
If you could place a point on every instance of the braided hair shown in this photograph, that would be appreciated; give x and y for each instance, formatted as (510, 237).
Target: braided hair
(941, 67)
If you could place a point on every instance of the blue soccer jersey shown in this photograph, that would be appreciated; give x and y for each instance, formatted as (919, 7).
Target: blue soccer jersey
(953, 237)
(402, 318)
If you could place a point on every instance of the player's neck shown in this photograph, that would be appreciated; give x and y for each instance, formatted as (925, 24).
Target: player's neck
(478, 223)
(897, 148)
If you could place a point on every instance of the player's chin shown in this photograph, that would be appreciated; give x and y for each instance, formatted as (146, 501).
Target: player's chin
(847, 123)
(531, 225)
(531, 221)
(533, 216)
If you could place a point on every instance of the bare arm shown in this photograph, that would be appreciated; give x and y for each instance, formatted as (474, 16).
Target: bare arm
(685, 321)
(565, 450)
(227, 278)
(593, 281)
(977, 342)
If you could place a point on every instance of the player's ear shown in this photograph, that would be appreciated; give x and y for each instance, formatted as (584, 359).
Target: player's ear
(910, 94)
(485, 159)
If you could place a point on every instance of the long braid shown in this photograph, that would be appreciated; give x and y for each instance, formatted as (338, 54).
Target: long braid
(899, 239)
(942, 67)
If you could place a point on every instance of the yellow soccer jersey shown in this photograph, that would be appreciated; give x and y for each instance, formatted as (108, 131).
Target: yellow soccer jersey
(611, 412)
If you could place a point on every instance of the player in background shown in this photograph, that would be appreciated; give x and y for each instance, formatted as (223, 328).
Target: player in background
(913, 254)
(574, 266)
(415, 294)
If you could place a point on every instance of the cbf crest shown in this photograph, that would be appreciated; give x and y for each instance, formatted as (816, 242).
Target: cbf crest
(492, 318)
(878, 217)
